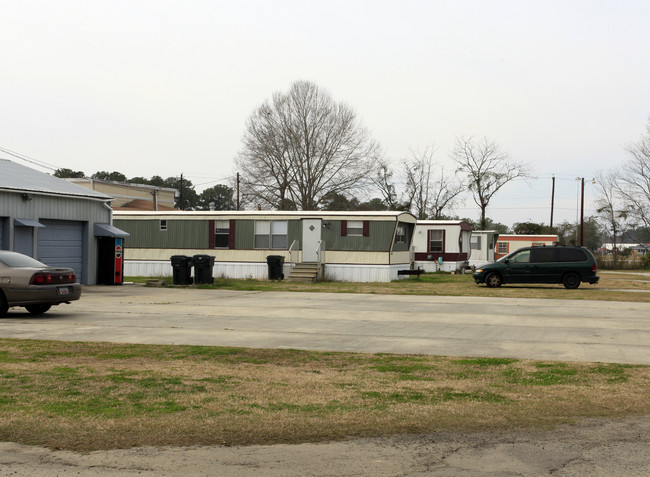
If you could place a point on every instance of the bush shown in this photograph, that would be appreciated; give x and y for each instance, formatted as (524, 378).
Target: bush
(630, 262)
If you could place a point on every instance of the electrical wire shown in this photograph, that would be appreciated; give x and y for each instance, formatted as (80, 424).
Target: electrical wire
(31, 160)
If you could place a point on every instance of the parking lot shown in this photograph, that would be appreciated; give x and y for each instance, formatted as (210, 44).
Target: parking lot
(455, 326)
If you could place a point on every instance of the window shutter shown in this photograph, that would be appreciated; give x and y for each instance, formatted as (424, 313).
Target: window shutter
(231, 234)
(429, 240)
(444, 237)
(344, 228)
(210, 233)
(366, 228)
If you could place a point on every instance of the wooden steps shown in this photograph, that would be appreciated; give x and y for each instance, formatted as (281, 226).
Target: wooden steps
(304, 272)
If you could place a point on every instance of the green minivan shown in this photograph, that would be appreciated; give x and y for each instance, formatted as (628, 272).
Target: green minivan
(567, 265)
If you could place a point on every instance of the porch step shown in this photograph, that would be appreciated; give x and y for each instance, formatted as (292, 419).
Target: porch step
(304, 272)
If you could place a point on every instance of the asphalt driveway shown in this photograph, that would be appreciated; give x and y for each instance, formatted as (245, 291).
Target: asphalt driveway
(454, 326)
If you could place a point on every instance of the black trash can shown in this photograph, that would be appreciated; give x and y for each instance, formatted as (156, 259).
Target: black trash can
(203, 269)
(182, 269)
(275, 264)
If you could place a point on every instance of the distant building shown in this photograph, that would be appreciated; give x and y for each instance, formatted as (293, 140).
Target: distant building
(127, 196)
(442, 245)
(483, 244)
(638, 248)
(509, 243)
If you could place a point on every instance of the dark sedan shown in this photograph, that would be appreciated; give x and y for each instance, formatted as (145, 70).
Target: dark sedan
(27, 282)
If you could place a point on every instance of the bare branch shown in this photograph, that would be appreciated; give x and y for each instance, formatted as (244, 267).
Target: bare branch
(487, 169)
(302, 146)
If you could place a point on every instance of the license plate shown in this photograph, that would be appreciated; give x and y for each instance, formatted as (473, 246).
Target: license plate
(64, 290)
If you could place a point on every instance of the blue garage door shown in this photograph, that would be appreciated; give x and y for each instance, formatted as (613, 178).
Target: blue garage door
(60, 244)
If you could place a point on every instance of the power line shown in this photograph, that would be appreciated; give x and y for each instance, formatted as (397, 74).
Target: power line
(31, 160)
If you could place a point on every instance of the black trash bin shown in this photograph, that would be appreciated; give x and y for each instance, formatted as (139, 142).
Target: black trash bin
(182, 269)
(203, 269)
(275, 264)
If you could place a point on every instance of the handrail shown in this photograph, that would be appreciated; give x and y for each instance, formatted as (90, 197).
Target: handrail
(292, 251)
(320, 252)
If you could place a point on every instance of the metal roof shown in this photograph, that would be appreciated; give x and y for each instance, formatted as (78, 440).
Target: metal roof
(261, 214)
(17, 178)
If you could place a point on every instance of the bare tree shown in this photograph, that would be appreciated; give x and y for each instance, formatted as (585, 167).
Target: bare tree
(417, 175)
(446, 193)
(300, 146)
(611, 215)
(383, 182)
(487, 167)
(429, 190)
(634, 180)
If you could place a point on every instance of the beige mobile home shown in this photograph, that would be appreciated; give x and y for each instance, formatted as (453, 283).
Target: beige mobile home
(344, 246)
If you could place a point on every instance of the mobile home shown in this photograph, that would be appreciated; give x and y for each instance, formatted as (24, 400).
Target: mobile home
(344, 246)
(442, 245)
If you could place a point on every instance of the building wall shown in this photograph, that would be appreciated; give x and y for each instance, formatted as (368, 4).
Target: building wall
(182, 233)
(251, 270)
(485, 240)
(509, 243)
(43, 207)
(125, 193)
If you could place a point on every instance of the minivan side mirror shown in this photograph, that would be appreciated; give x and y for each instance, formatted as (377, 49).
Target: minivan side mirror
(507, 260)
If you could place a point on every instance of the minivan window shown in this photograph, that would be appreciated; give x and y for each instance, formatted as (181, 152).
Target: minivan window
(543, 255)
(521, 257)
(572, 255)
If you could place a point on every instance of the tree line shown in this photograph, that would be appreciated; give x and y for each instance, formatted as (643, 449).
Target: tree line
(304, 151)
(301, 150)
(219, 197)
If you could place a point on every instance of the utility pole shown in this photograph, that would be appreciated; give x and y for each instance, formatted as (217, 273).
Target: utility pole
(582, 211)
(552, 200)
(181, 184)
(238, 191)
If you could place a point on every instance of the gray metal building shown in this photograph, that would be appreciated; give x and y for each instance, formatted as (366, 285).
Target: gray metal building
(53, 220)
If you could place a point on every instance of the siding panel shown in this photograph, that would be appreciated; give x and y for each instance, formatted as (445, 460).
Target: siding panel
(380, 235)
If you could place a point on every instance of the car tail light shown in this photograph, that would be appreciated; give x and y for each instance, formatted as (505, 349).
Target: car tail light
(52, 278)
(593, 268)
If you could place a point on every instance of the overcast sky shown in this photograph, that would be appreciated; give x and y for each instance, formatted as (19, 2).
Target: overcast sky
(165, 87)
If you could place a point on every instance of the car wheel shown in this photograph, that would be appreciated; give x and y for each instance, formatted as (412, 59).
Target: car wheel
(37, 309)
(571, 280)
(3, 304)
(493, 280)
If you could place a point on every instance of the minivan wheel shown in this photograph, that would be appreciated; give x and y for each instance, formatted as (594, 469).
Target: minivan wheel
(493, 280)
(571, 280)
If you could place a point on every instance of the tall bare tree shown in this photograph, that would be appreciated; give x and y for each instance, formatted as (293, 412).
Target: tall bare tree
(634, 179)
(417, 175)
(487, 168)
(430, 191)
(611, 214)
(300, 146)
(383, 182)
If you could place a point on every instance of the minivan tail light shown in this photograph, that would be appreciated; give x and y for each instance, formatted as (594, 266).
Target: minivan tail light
(593, 268)
(52, 278)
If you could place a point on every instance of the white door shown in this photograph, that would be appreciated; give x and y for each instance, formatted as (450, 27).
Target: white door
(310, 239)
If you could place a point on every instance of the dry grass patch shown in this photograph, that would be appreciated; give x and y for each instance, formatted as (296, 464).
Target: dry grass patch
(444, 284)
(86, 396)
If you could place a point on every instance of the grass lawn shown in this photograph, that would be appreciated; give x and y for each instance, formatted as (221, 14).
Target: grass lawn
(86, 396)
(609, 288)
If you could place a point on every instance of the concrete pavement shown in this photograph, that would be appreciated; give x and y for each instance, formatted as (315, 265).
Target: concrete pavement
(455, 326)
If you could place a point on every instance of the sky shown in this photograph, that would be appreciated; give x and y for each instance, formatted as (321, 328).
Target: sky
(165, 87)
